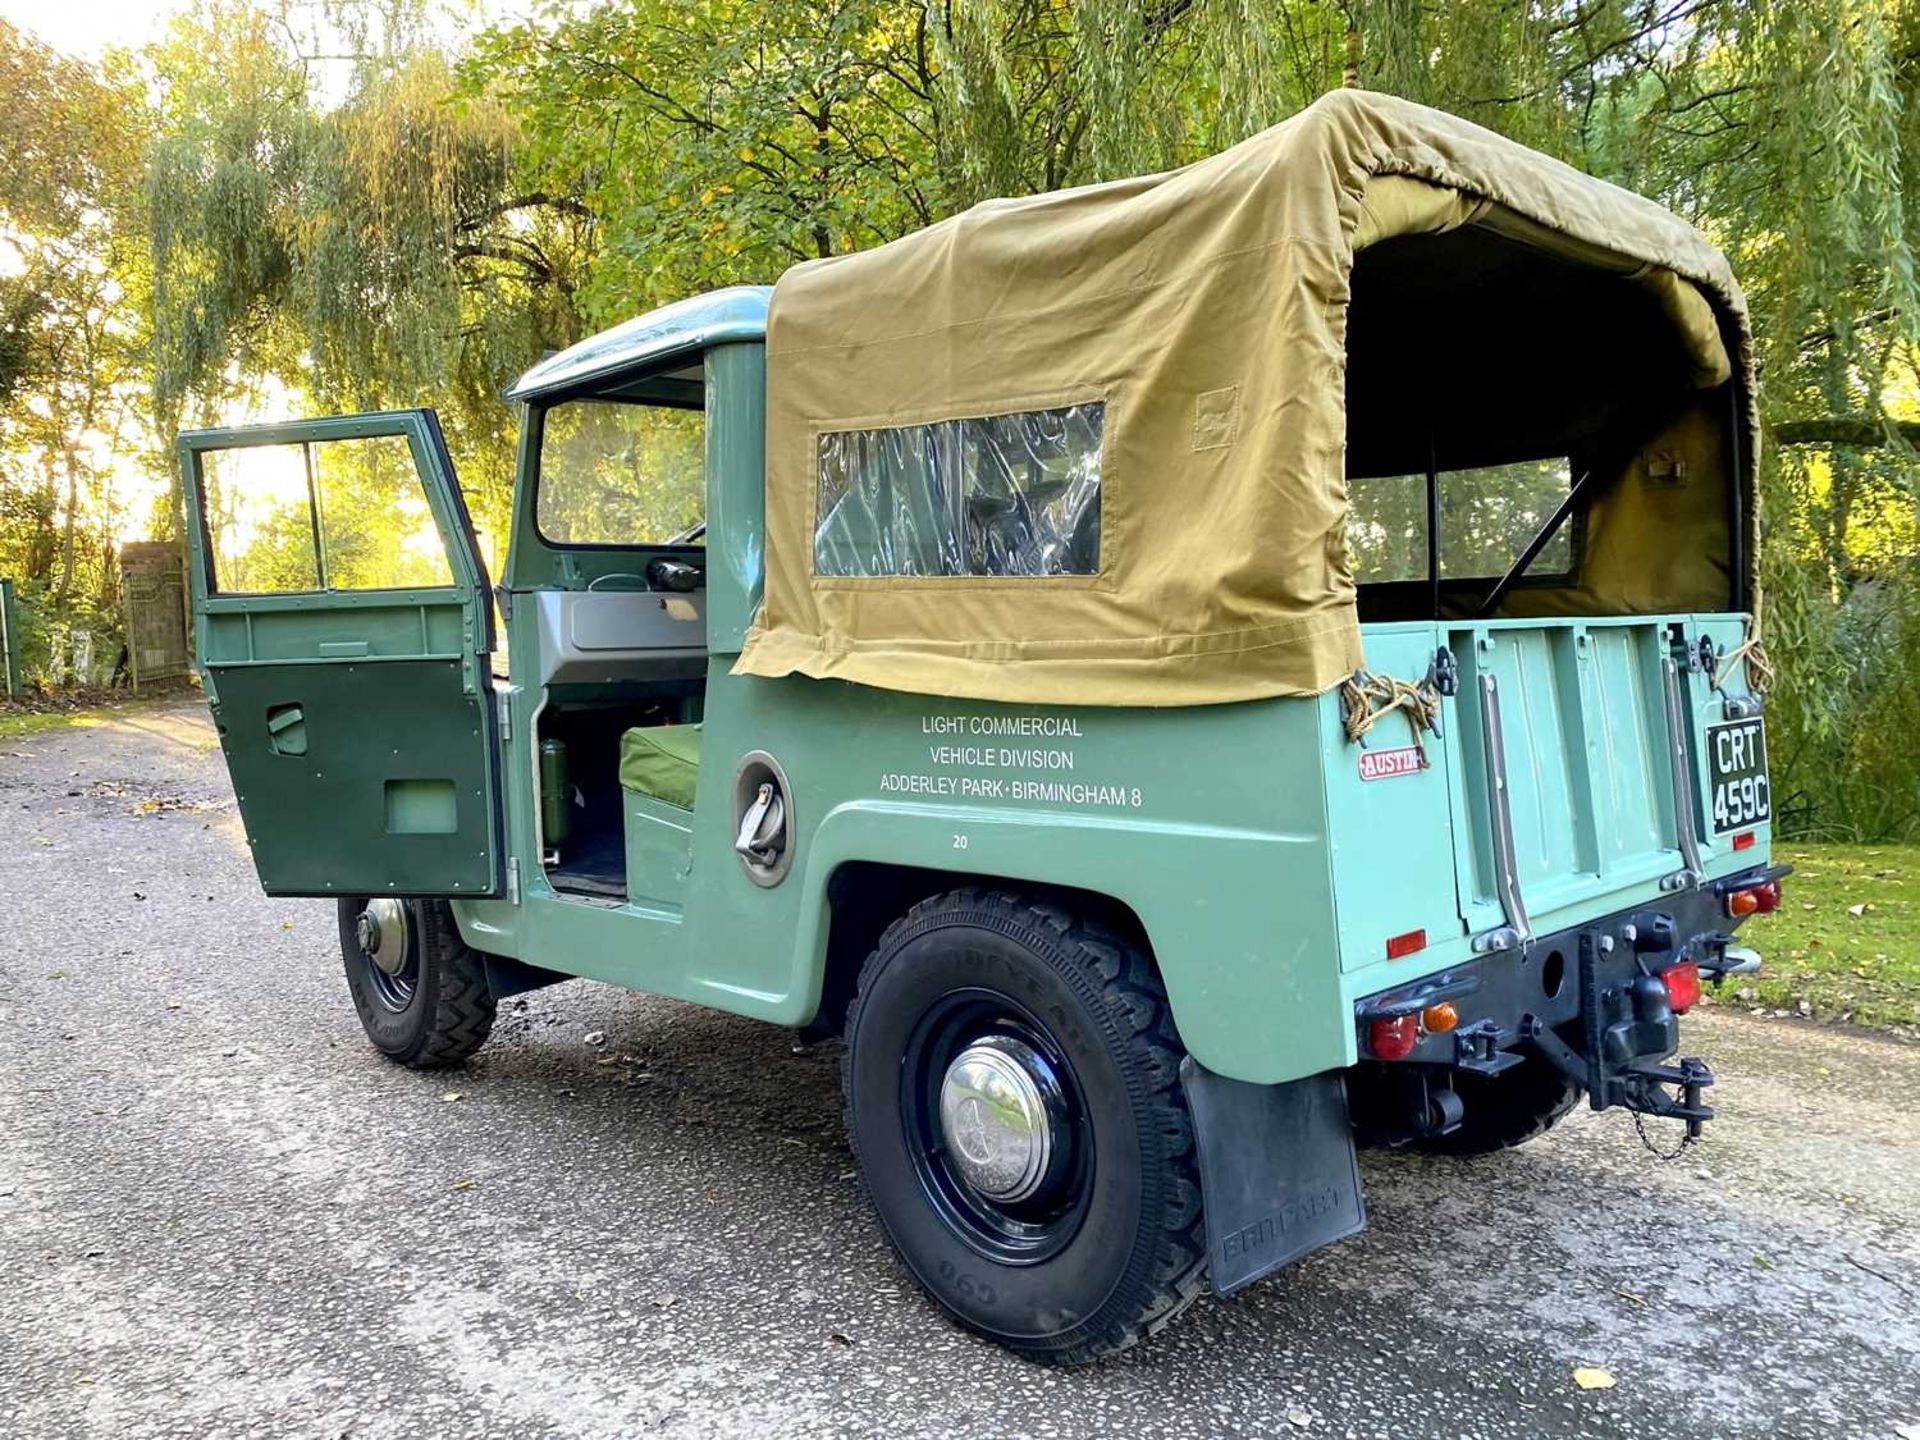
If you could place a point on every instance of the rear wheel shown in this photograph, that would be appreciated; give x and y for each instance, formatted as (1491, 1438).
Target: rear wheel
(1014, 1103)
(1505, 1110)
(421, 992)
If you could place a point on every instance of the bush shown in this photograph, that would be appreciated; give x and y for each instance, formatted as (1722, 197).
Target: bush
(1844, 712)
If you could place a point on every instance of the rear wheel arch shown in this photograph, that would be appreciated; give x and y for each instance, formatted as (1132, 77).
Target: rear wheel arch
(864, 897)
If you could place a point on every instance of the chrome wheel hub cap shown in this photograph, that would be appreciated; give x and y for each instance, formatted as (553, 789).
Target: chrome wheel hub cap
(994, 1111)
(381, 931)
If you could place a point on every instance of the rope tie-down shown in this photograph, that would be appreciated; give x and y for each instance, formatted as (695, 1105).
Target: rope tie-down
(1365, 698)
(1759, 668)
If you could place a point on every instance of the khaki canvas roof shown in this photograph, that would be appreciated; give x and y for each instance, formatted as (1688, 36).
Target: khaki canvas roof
(1207, 310)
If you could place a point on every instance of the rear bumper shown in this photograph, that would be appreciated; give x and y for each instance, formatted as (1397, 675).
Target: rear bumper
(1587, 1000)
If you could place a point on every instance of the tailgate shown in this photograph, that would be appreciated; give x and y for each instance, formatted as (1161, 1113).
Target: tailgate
(1578, 712)
(1604, 731)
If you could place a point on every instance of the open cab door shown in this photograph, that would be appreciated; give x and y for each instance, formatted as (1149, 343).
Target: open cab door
(342, 625)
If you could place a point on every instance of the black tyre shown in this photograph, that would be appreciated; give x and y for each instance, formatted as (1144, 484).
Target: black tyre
(421, 992)
(1502, 1111)
(1014, 1103)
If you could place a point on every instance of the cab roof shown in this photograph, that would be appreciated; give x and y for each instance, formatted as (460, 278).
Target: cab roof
(685, 327)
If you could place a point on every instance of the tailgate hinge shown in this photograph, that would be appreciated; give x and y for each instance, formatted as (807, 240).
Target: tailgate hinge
(1500, 812)
(1680, 758)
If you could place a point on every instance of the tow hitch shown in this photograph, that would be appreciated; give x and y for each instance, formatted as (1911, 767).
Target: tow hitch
(1630, 1029)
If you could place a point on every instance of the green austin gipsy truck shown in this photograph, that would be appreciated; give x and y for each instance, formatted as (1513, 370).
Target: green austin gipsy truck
(1181, 674)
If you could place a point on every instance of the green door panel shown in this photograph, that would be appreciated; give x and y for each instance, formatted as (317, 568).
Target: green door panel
(390, 781)
(1589, 787)
(350, 688)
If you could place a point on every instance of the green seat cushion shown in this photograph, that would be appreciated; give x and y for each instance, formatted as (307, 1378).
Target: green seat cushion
(662, 761)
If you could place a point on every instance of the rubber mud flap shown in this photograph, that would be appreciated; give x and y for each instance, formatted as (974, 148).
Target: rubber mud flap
(1277, 1170)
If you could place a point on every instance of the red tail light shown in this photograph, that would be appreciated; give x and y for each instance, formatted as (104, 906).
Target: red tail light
(1392, 1037)
(1761, 899)
(1683, 986)
(1744, 840)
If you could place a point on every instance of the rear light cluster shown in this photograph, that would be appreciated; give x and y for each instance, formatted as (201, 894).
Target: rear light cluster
(1683, 986)
(1392, 1037)
(1761, 899)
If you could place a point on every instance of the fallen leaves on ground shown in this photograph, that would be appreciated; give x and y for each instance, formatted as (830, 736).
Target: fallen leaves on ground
(1592, 1377)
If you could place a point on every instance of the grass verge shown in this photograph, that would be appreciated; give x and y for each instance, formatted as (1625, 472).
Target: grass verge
(1845, 943)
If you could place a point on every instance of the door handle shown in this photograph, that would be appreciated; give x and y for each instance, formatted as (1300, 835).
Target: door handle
(287, 730)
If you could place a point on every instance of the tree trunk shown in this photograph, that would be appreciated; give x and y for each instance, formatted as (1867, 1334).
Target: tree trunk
(40, 546)
(1858, 431)
(64, 593)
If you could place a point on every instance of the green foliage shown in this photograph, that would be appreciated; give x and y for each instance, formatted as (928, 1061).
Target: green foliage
(1487, 516)
(724, 141)
(371, 253)
(71, 342)
(229, 220)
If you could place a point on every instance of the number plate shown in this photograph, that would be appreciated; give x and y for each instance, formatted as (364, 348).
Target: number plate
(1737, 761)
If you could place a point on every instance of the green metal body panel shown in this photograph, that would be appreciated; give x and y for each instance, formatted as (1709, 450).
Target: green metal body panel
(1224, 864)
(358, 726)
(1266, 862)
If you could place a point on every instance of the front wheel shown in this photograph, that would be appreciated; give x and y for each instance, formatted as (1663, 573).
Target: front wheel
(1014, 1103)
(422, 994)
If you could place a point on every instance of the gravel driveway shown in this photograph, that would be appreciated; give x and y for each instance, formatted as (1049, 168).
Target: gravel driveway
(222, 1214)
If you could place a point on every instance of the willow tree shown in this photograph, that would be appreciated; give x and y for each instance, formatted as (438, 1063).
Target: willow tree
(368, 252)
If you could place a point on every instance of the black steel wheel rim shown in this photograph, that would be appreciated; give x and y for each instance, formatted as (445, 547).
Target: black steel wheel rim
(1031, 1230)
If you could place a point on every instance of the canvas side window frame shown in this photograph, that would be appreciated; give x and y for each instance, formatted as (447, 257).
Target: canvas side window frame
(1101, 577)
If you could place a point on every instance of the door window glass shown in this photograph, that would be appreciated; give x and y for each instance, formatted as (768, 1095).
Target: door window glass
(619, 473)
(345, 514)
(1487, 517)
(1003, 495)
